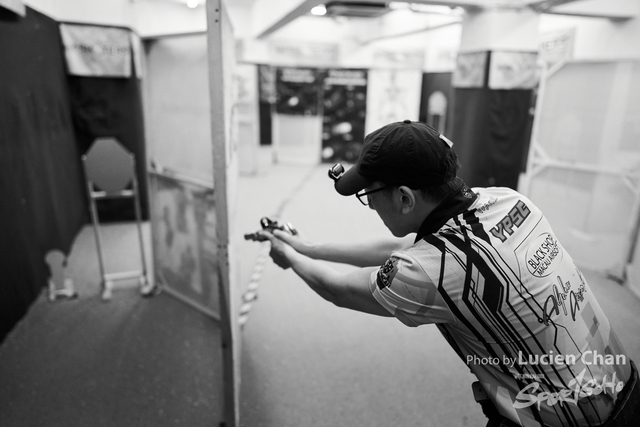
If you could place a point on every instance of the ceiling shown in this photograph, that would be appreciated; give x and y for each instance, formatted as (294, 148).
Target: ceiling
(612, 9)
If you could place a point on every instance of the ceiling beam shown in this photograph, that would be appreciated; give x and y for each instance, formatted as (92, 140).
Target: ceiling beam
(544, 5)
(611, 9)
(411, 33)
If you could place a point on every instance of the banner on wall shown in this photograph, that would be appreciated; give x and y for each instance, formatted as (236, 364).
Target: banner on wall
(345, 105)
(15, 6)
(96, 51)
(298, 91)
(556, 46)
(470, 70)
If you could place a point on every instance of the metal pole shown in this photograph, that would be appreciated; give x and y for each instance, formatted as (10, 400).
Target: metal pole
(144, 280)
(96, 229)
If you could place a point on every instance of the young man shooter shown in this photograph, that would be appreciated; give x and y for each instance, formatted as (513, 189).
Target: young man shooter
(488, 271)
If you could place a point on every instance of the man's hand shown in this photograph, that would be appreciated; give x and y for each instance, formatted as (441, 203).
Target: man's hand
(280, 250)
(296, 241)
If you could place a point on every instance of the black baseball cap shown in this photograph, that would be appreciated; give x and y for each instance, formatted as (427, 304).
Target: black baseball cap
(402, 153)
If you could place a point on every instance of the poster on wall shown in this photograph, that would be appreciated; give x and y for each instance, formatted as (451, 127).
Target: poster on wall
(470, 70)
(298, 91)
(96, 51)
(513, 70)
(345, 106)
(392, 96)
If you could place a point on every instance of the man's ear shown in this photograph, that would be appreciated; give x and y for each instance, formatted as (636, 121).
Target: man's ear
(407, 199)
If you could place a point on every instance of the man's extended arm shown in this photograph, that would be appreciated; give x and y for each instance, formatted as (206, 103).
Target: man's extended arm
(361, 254)
(350, 290)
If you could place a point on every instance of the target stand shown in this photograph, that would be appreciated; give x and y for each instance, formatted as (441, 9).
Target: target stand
(109, 172)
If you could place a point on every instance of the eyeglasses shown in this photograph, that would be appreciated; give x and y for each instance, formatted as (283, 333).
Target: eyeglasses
(336, 172)
(364, 198)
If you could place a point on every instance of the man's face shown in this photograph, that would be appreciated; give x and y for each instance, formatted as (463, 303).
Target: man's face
(382, 202)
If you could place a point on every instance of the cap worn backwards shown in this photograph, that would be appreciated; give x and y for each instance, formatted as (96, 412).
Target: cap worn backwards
(402, 153)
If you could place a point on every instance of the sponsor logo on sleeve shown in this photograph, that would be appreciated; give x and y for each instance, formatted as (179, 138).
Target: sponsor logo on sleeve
(387, 272)
(514, 219)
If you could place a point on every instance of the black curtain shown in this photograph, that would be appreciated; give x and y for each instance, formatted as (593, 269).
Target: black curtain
(491, 135)
(112, 107)
(42, 196)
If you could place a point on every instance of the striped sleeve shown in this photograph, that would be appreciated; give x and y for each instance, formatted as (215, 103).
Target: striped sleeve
(403, 287)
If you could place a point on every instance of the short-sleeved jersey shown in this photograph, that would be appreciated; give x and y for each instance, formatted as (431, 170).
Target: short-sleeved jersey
(489, 271)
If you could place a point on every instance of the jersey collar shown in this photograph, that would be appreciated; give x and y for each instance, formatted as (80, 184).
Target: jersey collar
(453, 205)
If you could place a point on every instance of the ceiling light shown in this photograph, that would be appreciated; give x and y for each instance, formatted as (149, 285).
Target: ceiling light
(395, 5)
(319, 10)
(192, 4)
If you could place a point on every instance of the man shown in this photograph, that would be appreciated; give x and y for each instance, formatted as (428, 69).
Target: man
(487, 269)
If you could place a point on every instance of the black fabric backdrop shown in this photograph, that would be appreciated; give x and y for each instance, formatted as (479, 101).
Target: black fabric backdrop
(112, 107)
(42, 196)
(491, 135)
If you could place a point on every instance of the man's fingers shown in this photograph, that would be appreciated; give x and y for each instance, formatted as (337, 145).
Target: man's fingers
(265, 235)
(282, 235)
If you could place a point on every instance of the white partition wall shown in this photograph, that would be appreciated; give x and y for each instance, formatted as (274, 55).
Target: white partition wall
(584, 161)
(192, 122)
(177, 105)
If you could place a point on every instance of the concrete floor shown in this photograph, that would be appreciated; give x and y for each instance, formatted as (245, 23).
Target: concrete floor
(304, 362)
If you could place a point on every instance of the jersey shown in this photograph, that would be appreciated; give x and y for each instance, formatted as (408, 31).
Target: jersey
(488, 270)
